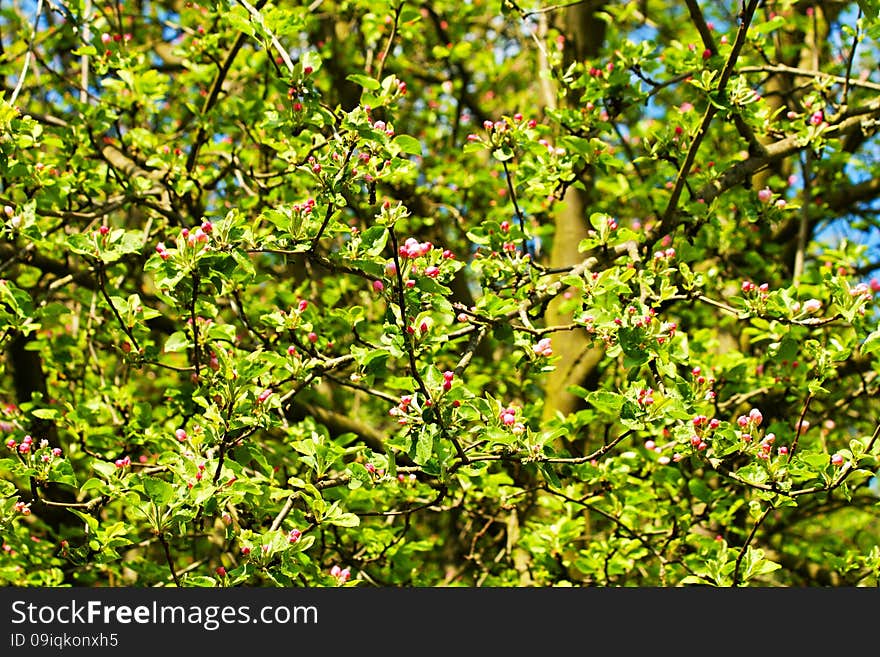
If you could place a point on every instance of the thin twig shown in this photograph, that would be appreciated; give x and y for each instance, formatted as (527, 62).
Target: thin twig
(385, 53)
(681, 178)
(27, 55)
(800, 427)
(745, 547)
(819, 76)
(169, 559)
(804, 219)
(850, 58)
(257, 17)
(84, 59)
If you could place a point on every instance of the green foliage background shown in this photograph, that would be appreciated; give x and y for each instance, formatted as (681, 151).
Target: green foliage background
(430, 293)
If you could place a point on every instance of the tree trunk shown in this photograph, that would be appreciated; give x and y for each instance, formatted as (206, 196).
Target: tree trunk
(585, 34)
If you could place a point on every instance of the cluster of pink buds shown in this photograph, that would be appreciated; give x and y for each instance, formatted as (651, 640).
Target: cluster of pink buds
(862, 290)
(752, 420)
(107, 38)
(551, 149)
(23, 508)
(664, 254)
(701, 422)
(702, 426)
(448, 376)
(199, 235)
(766, 446)
(748, 287)
(412, 248)
(811, 306)
(162, 250)
(381, 126)
(645, 396)
(702, 382)
(543, 347)
(508, 419)
(304, 208)
(123, 462)
(342, 575)
(749, 423)
(652, 446)
(26, 446)
(669, 328)
(402, 409)
(293, 536)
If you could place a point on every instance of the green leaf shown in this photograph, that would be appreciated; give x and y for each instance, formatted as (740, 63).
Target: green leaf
(344, 520)
(62, 472)
(91, 521)
(408, 144)
(871, 343)
(503, 154)
(158, 490)
(699, 489)
(368, 83)
(177, 341)
(870, 8)
(93, 484)
(424, 447)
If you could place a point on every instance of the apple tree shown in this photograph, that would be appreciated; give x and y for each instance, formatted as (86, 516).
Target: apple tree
(433, 293)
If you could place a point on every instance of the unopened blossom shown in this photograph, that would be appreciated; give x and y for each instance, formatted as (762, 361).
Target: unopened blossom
(543, 347)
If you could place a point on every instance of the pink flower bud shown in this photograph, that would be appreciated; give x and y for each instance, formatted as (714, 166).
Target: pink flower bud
(756, 416)
(812, 306)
